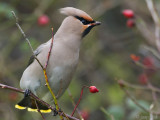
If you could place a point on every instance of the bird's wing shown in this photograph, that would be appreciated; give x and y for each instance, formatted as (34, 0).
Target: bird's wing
(36, 52)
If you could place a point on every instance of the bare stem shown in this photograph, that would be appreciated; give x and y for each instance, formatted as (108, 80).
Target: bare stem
(46, 77)
(24, 35)
(107, 113)
(36, 98)
(155, 17)
(124, 84)
(152, 88)
(134, 100)
(74, 104)
(78, 101)
(49, 53)
(39, 111)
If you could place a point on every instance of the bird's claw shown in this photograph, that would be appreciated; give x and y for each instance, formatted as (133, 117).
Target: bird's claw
(55, 112)
(27, 93)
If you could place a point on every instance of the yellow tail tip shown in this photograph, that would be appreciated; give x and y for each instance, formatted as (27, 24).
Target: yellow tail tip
(32, 110)
(46, 111)
(36, 110)
(20, 107)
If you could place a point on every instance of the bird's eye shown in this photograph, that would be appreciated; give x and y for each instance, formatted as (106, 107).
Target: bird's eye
(85, 22)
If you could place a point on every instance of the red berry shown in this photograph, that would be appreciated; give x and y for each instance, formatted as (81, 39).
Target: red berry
(148, 62)
(43, 20)
(93, 89)
(134, 57)
(130, 23)
(143, 79)
(128, 13)
(85, 114)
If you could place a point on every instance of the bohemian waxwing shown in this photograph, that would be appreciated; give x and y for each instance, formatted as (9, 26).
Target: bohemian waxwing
(63, 60)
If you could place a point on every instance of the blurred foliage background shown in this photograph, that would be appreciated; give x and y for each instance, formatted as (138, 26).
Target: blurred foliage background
(104, 56)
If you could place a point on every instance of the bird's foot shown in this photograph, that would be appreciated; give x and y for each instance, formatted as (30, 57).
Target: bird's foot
(27, 93)
(55, 112)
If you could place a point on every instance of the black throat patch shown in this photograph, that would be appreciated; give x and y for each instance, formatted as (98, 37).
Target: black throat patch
(86, 31)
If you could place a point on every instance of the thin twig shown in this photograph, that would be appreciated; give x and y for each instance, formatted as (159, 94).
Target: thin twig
(36, 98)
(46, 77)
(150, 114)
(134, 100)
(25, 37)
(140, 106)
(107, 113)
(50, 49)
(11, 88)
(156, 19)
(78, 101)
(153, 51)
(126, 84)
(39, 110)
(154, 96)
(74, 104)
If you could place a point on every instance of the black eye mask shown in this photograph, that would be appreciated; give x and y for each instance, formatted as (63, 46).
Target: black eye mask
(84, 21)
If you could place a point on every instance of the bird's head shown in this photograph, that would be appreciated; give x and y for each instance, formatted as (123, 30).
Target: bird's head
(77, 22)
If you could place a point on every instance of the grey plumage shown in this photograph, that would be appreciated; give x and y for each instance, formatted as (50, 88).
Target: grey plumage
(64, 56)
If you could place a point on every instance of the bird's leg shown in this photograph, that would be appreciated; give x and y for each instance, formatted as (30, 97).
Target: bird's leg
(27, 93)
(55, 112)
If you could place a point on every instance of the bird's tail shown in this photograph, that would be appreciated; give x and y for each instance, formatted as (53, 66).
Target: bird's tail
(32, 105)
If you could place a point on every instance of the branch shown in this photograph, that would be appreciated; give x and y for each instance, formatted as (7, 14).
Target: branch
(36, 98)
(24, 35)
(155, 17)
(134, 100)
(39, 111)
(107, 113)
(49, 53)
(150, 87)
(124, 84)
(46, 77)
(74, 104)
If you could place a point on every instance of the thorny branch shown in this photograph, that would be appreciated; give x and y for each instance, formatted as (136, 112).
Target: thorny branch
(36, 98)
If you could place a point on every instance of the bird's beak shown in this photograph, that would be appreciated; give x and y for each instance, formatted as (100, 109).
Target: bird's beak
(96, 23)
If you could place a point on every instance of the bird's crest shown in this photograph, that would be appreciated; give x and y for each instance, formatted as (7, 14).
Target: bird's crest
(70, 11)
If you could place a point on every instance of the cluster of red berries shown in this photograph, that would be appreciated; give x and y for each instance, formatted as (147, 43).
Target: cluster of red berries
(129, 14)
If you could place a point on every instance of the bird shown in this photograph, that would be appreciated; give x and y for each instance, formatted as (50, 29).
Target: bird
(62, 63)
